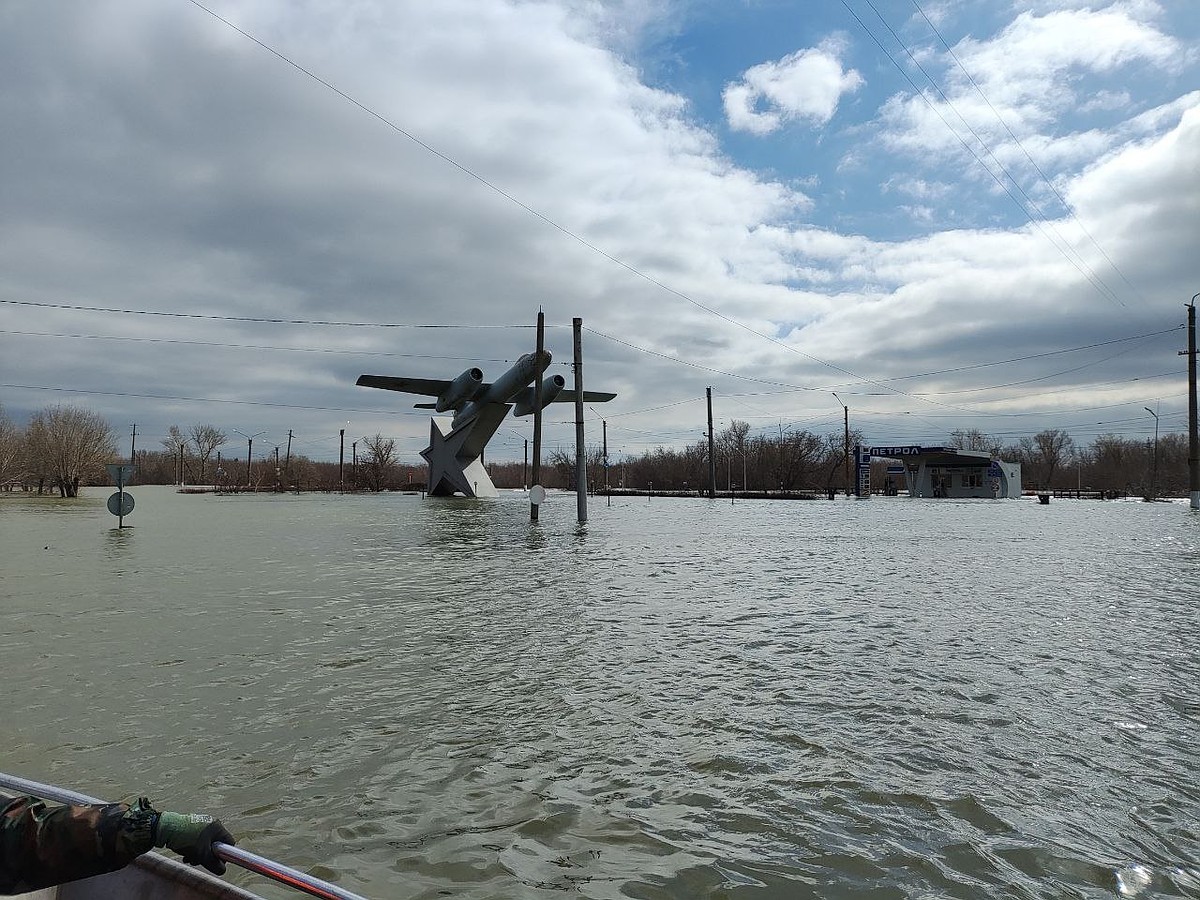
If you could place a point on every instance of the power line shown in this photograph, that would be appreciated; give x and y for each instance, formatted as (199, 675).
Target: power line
(1099, 285)
(42, 387)
(260, 319)
(145, 340)
(533, 212)
(1045, 178)
(684, 362)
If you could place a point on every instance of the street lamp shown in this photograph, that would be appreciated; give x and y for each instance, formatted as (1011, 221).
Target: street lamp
(1154, 476)
(846, 441)
(249, 450)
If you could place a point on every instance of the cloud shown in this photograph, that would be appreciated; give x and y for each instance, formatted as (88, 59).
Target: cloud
(1034, 78)
(156, 160)
(804, 85)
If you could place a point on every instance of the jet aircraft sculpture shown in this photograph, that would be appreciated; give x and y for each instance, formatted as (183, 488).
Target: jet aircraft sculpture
(456, 444)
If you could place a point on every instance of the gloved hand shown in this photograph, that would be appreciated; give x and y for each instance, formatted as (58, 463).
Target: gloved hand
(192, 837)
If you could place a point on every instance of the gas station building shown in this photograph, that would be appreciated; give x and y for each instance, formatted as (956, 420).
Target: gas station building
(943, 472)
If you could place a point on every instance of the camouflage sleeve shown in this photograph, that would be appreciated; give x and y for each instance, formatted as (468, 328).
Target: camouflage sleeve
(44, 845)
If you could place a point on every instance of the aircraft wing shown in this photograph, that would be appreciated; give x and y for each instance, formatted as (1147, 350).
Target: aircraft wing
(588, 397)
(430, 387)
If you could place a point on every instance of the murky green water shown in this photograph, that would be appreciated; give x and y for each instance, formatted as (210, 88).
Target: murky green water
(421, 698)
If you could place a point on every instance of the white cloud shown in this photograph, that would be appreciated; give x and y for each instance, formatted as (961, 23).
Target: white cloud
(807, 84)
(1038, 75)
(1023, 67)
(184, 169)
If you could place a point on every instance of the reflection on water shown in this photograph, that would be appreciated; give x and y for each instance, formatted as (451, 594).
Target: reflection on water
(420, 697)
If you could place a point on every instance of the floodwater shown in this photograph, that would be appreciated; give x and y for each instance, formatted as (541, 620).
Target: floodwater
(684, 699)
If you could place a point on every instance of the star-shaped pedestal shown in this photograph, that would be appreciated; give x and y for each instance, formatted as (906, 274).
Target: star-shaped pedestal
(455, 454)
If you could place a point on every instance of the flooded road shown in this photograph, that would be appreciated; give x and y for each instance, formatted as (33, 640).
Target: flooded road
(683, 699)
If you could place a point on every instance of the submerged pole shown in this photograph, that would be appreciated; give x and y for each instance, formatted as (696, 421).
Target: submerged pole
(607, 492)
(712, 461)
(580, 449)
(1193, 439)
(536, 472)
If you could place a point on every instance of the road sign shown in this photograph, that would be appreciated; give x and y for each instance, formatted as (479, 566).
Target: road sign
(120, 503)
(119, 473)
(537, 495)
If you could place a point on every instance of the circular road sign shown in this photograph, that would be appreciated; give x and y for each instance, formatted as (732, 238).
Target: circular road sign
(120, 503)
(537, 495)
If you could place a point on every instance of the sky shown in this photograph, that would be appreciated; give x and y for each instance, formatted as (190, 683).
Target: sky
(941, 214)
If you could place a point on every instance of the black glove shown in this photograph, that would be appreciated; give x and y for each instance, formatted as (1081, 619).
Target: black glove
(192, 837)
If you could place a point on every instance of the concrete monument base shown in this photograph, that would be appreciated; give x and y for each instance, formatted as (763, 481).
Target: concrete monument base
(455, 455)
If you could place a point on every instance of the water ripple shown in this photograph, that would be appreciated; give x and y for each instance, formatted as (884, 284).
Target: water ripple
(682, 699)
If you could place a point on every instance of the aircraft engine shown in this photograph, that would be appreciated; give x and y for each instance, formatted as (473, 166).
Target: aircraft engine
(462, 388)
(551, 388)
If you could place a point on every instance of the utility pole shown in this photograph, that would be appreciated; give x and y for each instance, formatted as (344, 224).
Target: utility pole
(1193, 431)
(607, 492)
(525, 468)
(249, 450)
(712, 460)
(287, 460)
(580, 449)
(354, 466)
(133, 444)
(535, 491)
(341, 459)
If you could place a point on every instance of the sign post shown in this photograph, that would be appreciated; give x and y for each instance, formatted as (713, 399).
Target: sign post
(120, 504)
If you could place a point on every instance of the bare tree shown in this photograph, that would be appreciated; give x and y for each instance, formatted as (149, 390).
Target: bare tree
(1052, 448)
(206, 439)
(177, 444)
(377, 461)
(836, 446)
(74, 443)
(37, 453)
(974, 439)
(12, 453)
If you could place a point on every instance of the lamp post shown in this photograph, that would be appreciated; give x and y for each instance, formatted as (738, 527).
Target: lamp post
(1154, 476)
(249, 450)
(846, 441)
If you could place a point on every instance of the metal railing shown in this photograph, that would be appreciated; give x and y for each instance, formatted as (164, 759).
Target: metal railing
(260, 865)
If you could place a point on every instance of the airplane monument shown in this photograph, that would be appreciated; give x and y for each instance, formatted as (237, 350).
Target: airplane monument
(456, 444)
